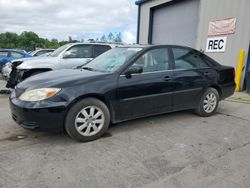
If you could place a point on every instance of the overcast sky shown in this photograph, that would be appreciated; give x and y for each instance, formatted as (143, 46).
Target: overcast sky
(76, 18)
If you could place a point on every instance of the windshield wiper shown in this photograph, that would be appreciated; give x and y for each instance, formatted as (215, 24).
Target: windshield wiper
(88, 68)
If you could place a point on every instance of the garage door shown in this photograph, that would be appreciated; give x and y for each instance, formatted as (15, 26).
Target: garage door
(176, 23)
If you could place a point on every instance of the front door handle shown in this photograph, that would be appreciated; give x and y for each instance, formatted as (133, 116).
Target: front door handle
(167, 78)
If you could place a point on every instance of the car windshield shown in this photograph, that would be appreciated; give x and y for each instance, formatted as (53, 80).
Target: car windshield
(33, 53)
(111, 60)
(59, 50)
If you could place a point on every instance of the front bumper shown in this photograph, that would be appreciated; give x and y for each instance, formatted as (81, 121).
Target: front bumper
(15, 77)
(40, 116)
(6, 73)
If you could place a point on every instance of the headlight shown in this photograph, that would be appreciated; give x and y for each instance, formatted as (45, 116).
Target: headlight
(8, 65)
(39, 94)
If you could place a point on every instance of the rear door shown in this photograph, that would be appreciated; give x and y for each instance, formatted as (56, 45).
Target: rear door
(148, 92)
(191, 76)
(79, 55)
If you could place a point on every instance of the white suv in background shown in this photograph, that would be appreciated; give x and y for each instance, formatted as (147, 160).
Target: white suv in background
(69, 56)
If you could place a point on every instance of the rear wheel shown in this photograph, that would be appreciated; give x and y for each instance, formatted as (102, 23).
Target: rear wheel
(87, 120)
(208, 103)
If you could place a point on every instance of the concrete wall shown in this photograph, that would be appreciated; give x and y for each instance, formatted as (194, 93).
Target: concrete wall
(221, 9)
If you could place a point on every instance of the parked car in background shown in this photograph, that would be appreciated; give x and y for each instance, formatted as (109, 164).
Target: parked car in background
(7, 68)
(121, 84)
(69, 56)
(41, 52)
(6, 55)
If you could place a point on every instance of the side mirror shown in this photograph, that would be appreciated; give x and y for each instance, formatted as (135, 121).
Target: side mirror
(133, 70)
(67, 54)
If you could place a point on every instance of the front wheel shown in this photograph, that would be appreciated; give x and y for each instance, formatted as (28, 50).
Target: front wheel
(87, 120)
(208, 103)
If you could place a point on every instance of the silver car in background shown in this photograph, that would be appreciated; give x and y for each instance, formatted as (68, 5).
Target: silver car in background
(69, 56)
(41, 52)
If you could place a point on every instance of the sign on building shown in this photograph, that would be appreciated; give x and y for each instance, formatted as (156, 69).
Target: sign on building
(216, 44)
(222, 27)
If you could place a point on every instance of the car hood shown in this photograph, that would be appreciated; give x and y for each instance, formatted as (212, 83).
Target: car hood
(60, 78)
(25, 59)
(35, 62)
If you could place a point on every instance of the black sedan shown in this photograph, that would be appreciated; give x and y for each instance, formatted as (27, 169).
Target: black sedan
(123, 83)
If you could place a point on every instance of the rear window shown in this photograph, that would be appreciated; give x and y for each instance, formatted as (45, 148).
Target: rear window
(188, 59)
(16, 55)
(99, 49)
(3, 54)
(80, 51)
(209, 60)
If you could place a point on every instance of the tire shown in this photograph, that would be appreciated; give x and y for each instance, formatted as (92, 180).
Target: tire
(84, 124)
(209, 103)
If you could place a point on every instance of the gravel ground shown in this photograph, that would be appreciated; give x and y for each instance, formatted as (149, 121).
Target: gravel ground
(174, 150)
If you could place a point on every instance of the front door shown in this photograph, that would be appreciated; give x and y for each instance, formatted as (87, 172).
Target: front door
(148, 92)
(77, 56)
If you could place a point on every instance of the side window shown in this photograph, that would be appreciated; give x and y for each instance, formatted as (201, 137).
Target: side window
(187, 59)
(3, 54)
(154, 60)
(16, 55)
(99, 49)
(80, 51)
(40, 52)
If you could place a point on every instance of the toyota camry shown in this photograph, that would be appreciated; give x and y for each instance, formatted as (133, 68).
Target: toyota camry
(123, 83)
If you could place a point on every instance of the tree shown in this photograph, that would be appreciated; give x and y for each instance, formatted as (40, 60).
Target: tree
(103, 38)
(28, 39)
(70, 39)
(111, 37)
(91, 40)
(118, 37)
(8, 40)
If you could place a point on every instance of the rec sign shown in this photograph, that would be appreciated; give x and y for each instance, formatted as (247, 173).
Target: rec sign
(216, 44)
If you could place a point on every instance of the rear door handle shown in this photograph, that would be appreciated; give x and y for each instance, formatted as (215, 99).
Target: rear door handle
(167, 78)
(207, 73)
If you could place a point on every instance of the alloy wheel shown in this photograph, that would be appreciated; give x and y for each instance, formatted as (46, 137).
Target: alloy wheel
(89, 121)
(210, 102)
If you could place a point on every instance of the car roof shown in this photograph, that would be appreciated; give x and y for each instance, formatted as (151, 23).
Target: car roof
(12, 50)
(43, 49)
(46, 49)
(153, 46)
(99, 43)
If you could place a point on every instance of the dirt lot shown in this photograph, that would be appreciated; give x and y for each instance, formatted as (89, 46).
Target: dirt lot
(173, 150)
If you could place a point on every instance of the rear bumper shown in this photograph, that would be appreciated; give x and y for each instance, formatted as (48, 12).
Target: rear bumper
(36, 117)
(227, 90)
